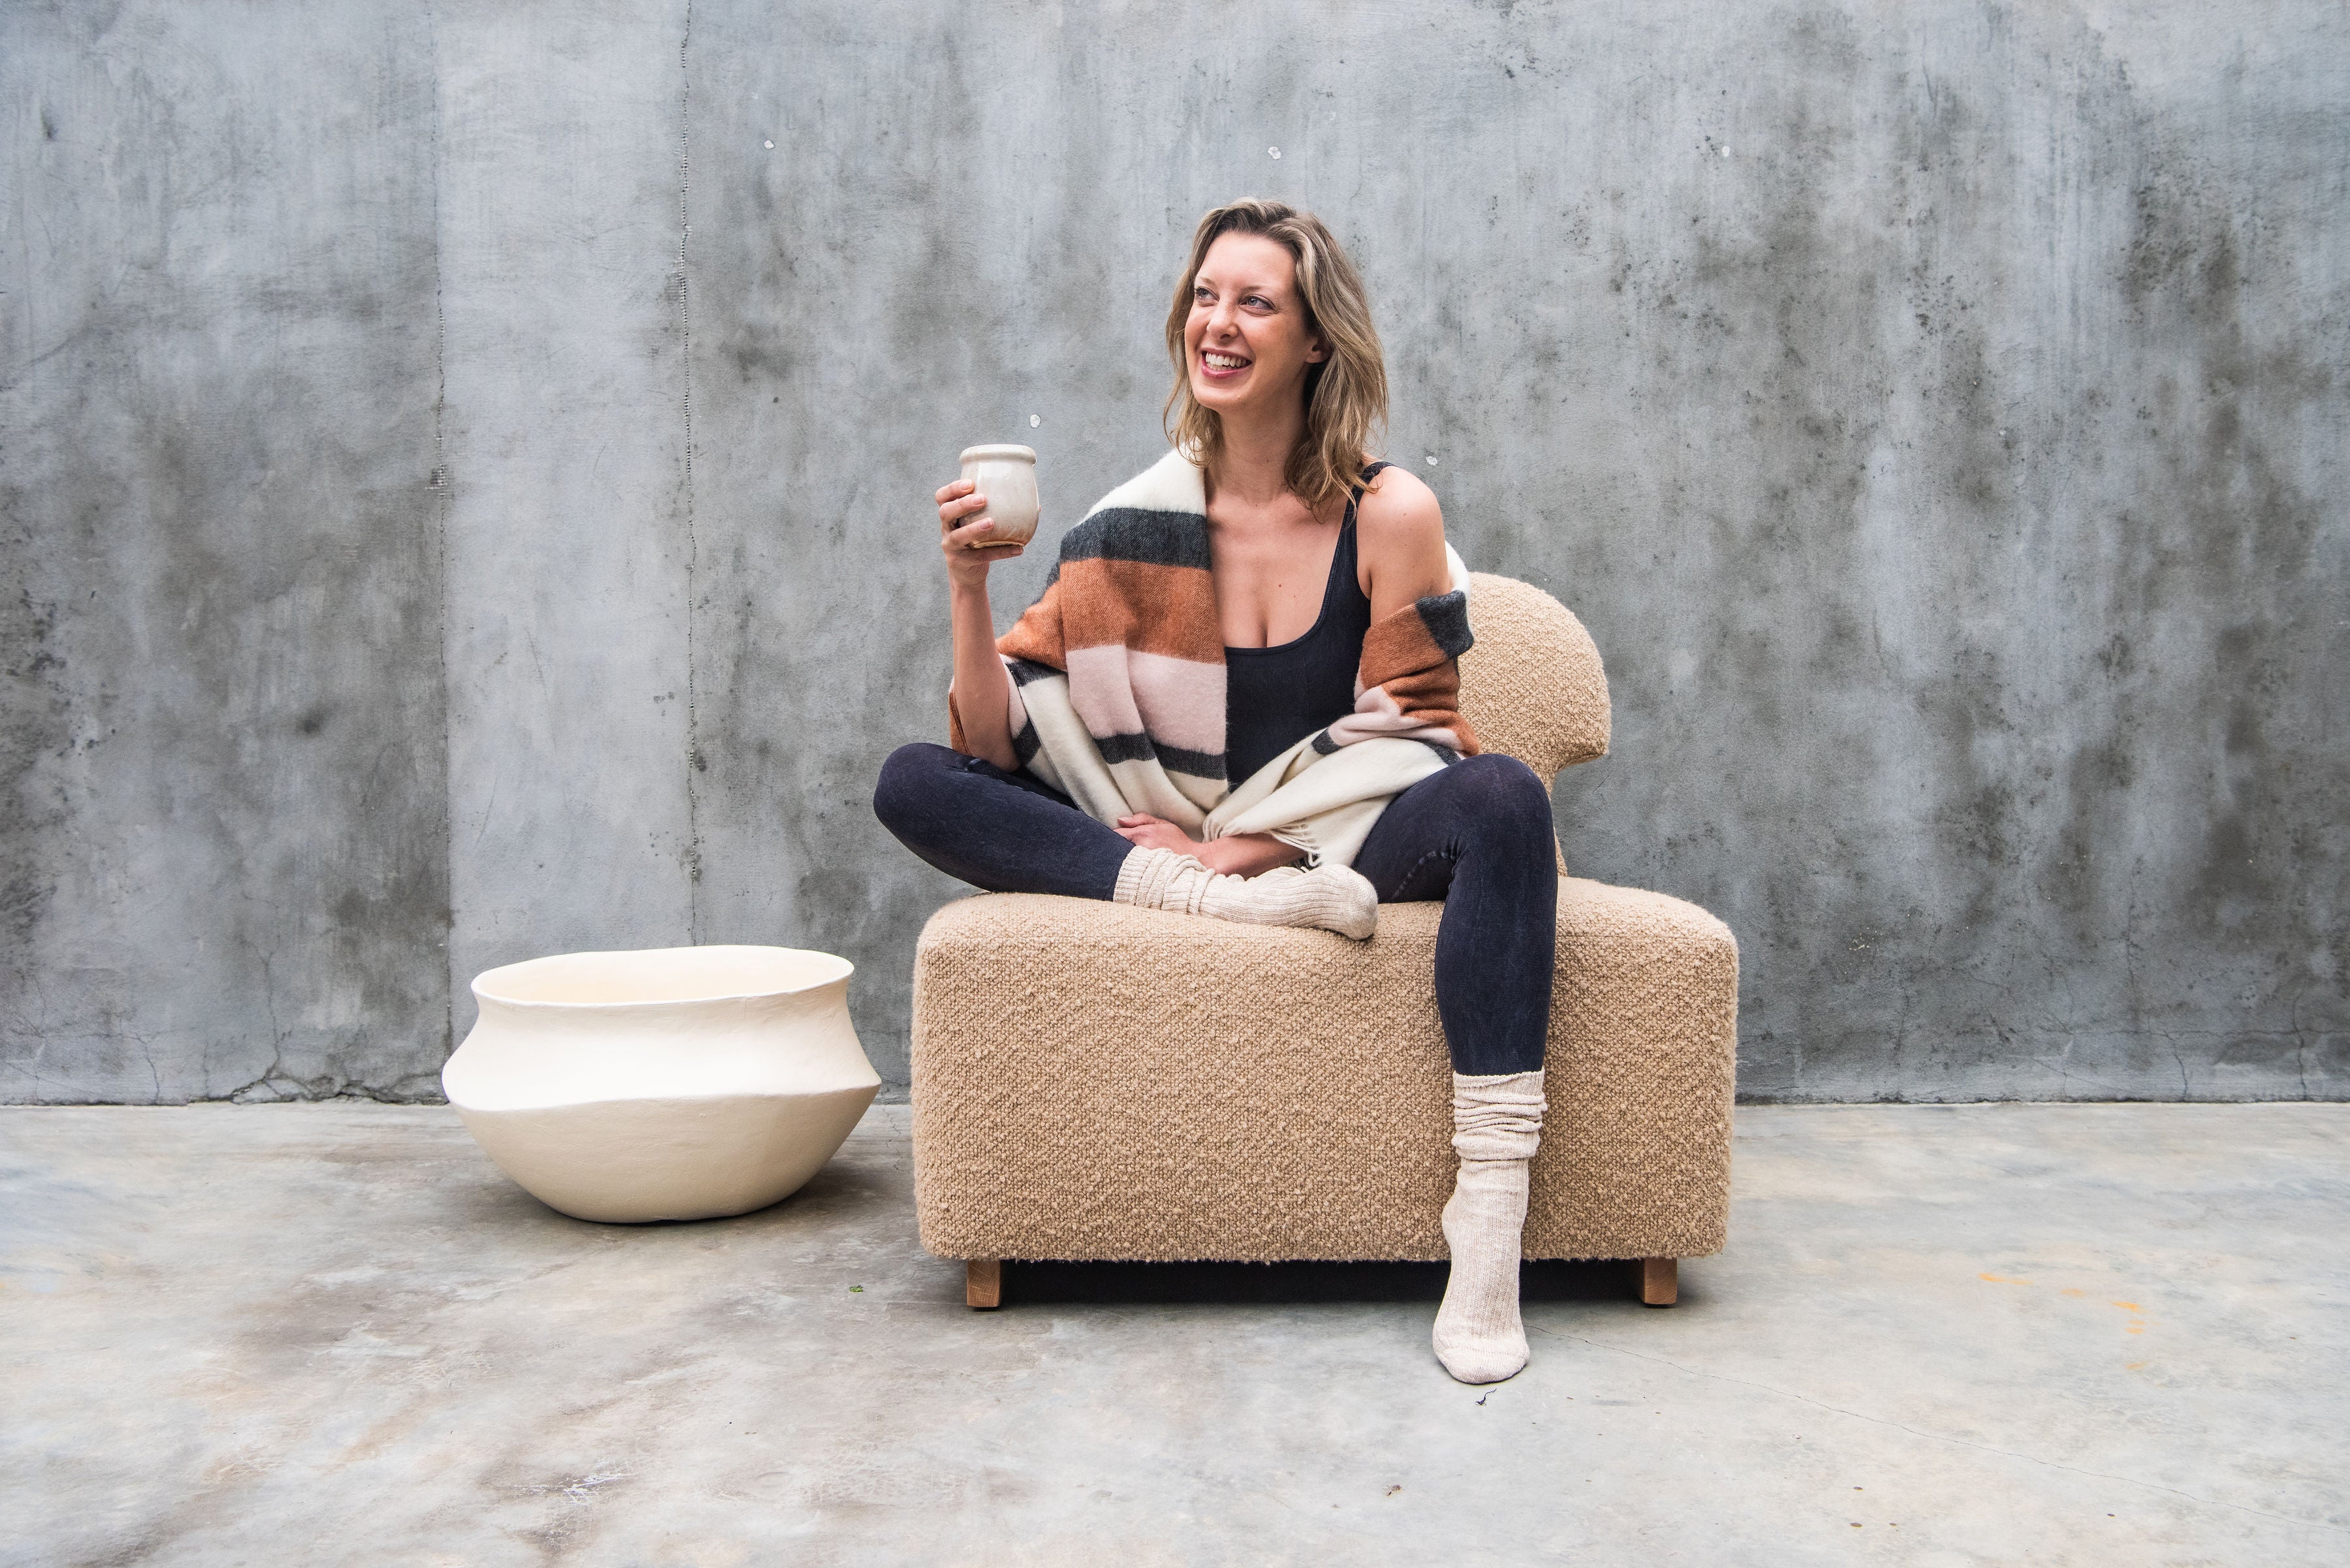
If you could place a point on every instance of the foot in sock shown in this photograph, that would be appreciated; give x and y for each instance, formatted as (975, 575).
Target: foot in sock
(1479, 1336)
(1333, 898)
(1496, 1128)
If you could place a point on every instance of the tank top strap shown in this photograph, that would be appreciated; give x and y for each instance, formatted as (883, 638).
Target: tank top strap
(1370, 471)
(1342, 560)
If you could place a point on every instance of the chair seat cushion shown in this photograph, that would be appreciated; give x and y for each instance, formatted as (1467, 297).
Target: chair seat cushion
(1092, 1081)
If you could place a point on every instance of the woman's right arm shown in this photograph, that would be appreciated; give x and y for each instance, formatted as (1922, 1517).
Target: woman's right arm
(982, 693)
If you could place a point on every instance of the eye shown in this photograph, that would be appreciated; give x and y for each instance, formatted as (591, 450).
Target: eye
(1259, 301)
(1201, 296)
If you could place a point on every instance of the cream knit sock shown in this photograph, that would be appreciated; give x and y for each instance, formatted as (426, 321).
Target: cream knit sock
(1496, 1128)
(1331, 897)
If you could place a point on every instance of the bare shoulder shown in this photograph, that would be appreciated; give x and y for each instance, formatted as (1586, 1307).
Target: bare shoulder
(1399, 533)
(1400, 505)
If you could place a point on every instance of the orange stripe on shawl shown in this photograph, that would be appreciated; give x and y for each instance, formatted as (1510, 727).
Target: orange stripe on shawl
(1401, 654)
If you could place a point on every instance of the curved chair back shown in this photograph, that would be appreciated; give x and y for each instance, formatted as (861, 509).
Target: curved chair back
(1532, 687)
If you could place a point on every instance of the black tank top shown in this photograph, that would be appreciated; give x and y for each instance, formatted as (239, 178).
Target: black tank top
(1275, 697)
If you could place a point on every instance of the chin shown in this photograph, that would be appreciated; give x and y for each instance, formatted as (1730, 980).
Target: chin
(1215, 399)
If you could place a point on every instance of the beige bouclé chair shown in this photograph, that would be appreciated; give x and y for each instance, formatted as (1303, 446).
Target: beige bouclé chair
(1092, 1081)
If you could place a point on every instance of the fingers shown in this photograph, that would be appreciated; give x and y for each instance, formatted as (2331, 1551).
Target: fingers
(970, 534)
(950, 512)
(949, 492)
(1148, 832)
(974, 543)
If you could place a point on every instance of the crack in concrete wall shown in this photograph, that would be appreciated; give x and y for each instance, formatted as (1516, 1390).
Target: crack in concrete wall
(225, 842)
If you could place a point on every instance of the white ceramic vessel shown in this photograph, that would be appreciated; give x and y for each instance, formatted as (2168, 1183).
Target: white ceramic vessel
(1006, 475)
(669, 1084)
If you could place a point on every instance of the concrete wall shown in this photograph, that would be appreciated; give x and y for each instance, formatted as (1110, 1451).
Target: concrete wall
(466, 469)
(225, 844)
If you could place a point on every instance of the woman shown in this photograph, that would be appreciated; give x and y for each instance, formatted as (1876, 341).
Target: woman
(1236, 699)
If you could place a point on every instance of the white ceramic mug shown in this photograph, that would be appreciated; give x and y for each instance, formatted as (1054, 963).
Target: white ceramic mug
(1006, 475)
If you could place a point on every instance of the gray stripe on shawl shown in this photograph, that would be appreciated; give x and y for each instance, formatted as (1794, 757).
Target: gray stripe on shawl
(1329, 747)
(1027, 743)
(1025, 671)
(1446, 616)
(1126, 534)
(1174, 759)
(1198, 764)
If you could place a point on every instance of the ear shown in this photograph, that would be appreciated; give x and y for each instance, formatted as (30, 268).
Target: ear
(1316, 351)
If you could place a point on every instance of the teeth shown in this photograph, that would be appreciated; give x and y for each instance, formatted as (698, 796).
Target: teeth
(1224, 361)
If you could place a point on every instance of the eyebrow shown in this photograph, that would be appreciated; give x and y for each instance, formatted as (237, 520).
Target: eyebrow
(1271, 290)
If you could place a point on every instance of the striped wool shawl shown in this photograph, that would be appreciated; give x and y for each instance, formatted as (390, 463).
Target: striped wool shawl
(1117, 686)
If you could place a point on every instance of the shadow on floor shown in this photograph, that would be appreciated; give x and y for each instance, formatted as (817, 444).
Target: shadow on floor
(1152, 1284)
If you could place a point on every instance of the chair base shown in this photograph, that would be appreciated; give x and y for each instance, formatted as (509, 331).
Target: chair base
(983, 1283)
(1266, 1094)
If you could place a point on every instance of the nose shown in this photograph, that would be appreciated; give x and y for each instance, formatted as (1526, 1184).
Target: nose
(1224, 319)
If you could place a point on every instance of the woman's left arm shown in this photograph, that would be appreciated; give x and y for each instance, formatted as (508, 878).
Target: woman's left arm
(1399, 542)
(1238, 855)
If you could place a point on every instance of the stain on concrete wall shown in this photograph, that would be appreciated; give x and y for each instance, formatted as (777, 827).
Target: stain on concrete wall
(225, 842)
(1934, 414)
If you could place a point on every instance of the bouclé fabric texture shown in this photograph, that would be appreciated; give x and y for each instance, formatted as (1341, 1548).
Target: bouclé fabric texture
(1117, 687)
(1097, 1081)
(1092, 1080)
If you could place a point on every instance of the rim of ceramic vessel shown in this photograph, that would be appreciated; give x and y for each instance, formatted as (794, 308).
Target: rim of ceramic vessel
(1001, 453)
(610, 969)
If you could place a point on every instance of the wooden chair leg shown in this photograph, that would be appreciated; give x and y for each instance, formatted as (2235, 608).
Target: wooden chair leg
(1661, 1281)
(983, 1282)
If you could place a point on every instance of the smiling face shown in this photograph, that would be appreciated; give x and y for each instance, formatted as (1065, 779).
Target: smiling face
(1246, 340)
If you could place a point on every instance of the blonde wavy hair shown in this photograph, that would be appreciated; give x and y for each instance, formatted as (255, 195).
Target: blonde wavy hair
(1346, 394)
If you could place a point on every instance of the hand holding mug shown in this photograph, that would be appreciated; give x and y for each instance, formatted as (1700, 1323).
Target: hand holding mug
(977, 526)
(964, 529)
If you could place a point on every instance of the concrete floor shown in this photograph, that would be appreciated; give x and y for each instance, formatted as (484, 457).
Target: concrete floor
(315, 1335)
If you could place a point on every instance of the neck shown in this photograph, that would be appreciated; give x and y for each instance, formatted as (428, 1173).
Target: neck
(1253, 463)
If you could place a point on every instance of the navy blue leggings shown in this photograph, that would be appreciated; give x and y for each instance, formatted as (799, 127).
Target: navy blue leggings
(1476, 836)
